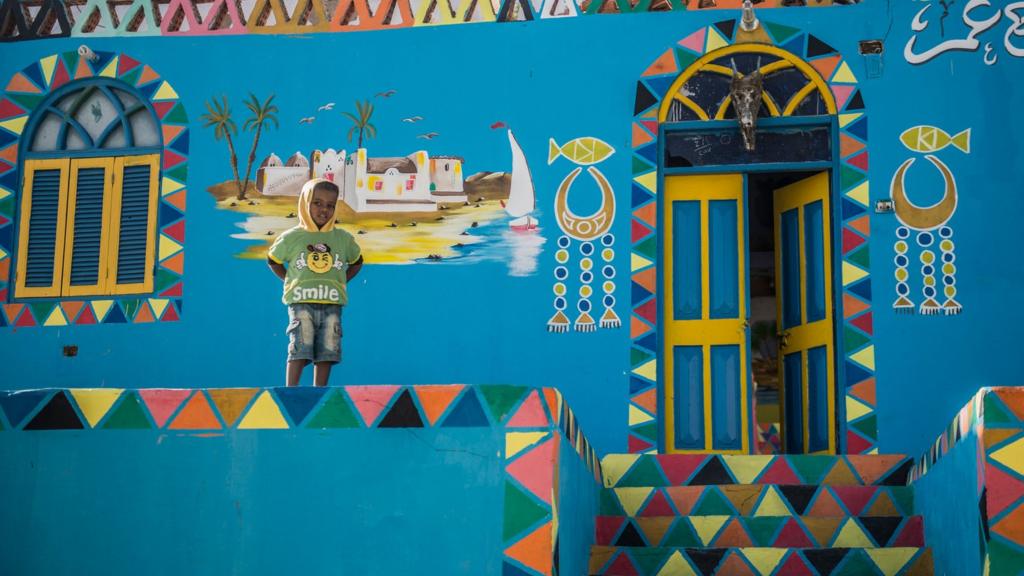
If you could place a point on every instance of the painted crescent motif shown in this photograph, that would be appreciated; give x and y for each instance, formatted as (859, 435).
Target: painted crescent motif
(923, 217)
(585, 227)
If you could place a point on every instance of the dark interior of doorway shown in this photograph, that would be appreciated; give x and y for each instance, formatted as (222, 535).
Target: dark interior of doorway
(764, 341)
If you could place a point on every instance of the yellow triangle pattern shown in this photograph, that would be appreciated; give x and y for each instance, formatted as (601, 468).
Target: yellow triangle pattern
(846, 119)
(746, 468)
(169, 186)
(648, 181)
(158, 304)
(851, 536)
(48, 64)
(15, 125)
(860, 194)
(4, 193)
(165, 92)
(707, 527)
(515, 442)
(648, 369)
(852, 273)
(56, 318)
(855, 409)
(714, 40)
(891, 560)
(676, 566)
(632, 498)
(638, 416)
(771, 504)
(110, 71)
(765, 560)
(1011, 456)
(100, 308)
(264, 413)
(615, 466)
(844, 74)
(95, 402)
(865, 357)
(636, 262)
(168, 247)
(3, 254)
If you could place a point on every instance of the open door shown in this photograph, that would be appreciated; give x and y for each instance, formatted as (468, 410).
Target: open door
(803, 269)
(704, 314)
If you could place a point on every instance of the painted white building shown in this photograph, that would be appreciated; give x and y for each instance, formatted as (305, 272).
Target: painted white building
(446, 183)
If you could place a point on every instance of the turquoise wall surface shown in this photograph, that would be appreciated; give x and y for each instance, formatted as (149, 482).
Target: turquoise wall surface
(469, 320)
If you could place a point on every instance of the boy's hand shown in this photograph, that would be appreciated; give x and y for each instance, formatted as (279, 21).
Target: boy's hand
(277, 269)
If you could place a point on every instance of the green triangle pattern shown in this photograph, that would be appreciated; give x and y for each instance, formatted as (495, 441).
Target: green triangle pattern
(164, 279)
(853, 340)
(647, 431)
(640, 166)
(904, 498)
(644, 473)
(1002, 558)
(648, 248)
(780, 33)
(27, 101)
(521, 512)
(179, 172)
(682, 536)
(129, 415)
(71, 59)
(501, 398)
(860, 257)
(129, 307)
(762, 529)
(713, 504)
(856, 563)
(995, 411)
(7, 205)
(176, 116)
(684, 58)
(849, 177)
(132, 76)
(609, 504)
(638, 356)
(651, 559)
(811, 469)
(41, 310)
(867, 426)
(334, 413)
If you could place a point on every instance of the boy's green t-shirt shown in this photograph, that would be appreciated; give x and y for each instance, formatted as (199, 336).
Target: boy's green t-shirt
(316, 264)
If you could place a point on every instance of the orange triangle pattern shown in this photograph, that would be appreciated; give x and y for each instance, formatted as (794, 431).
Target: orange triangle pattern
(647, 400)
(171, 132)
(648, 278)
(551, 397)
(637, 327)
(826, 66)
(196, 415)
(21, 83)
(148, 75)
(640, 136)
(144, 314)
(534, 551)
(5, 269)
(826, 506)
(648, 214)
(1013, 399)
(684, 497)
(177, 200)
(733, 535)
(865, 391)
(175, 263)
(861, 225)
(853, 305)
(231, 402)
(71, 309)
(735, 566)
(665, 64)
(436, 399)
(12, 311)
(83, 71)
(10, 154)
(849, 145)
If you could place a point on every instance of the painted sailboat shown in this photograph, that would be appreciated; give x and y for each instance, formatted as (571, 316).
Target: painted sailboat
(521, 198)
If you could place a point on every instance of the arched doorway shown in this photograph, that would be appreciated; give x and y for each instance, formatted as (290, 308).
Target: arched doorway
(700, 325)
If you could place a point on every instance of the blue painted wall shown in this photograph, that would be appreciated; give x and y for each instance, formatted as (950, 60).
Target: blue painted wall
(559, 78)
(252, 502)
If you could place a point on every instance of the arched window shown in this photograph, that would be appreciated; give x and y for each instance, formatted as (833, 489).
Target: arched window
(87, 222)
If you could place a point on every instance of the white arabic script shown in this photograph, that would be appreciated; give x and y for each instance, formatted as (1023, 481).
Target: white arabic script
(1014, 13)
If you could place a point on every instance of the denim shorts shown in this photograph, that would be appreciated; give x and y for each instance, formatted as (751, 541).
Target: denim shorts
(314, 332)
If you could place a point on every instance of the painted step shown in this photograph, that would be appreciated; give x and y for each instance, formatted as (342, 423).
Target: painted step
(769, 531)
(615, 561)
(621, 470)
(757, 500)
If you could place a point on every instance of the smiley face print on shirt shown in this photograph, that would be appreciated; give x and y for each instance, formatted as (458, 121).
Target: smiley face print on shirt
(319, 259)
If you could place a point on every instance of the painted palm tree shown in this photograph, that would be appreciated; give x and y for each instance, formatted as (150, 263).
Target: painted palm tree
(260, 115)
(361, 122)
(218, 116)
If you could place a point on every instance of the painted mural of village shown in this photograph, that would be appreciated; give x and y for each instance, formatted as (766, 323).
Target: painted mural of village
(408, 209)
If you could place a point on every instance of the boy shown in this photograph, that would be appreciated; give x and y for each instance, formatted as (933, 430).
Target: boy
(321, 261)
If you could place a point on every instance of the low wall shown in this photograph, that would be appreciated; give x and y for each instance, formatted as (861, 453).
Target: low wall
(969, 487)
(447, 479)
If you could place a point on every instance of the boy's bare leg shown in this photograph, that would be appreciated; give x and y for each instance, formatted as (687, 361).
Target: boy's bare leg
(294, 371)
(321, 372)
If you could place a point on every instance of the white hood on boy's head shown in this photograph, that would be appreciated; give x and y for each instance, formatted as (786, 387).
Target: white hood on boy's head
(305, 200)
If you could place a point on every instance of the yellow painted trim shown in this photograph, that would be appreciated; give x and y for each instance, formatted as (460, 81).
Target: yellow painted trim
(798, 98)
(31, 166)
(704, 332)
(704, 61)
(686, 101)
(69, 237)
(146, 286)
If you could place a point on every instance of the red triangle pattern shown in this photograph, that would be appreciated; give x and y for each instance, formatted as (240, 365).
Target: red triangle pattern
(911, 536)
(607, 527)
(170, 314)
(162, 108)
(60, 76)
(125, 64)
(648, 310)
(1003, 489)
(855, 444)
(865, 322)
(658, 506)
(793, 536)
(163, 402)
(639, 231)
(171, 159)
(795, 566)
(176, 230)
(860, 161)
(779, 473)
(679, 468)
(530, 414)
(851, 240)
(173, 291)
(26, 319)
(622, 566)
(370, 401)
(535, 470)
(635, 444)
(651, 125)
(87, 316)
(9, 109)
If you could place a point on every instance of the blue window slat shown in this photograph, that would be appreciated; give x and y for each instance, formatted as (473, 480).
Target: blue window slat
(42, 236)
(131, 253)
(85, 250)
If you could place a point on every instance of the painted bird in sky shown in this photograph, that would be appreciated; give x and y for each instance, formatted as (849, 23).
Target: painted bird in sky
(326, 107)
(307, 120)
(412, 119)
(386, 93)
(429, 135)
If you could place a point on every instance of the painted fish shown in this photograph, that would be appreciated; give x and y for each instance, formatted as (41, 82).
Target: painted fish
(930, 139)
(583, 151)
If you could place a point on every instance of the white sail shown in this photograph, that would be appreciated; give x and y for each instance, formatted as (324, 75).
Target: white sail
(521, 199)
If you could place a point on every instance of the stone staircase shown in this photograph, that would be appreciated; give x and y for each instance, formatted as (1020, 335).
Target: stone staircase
(789, 515)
